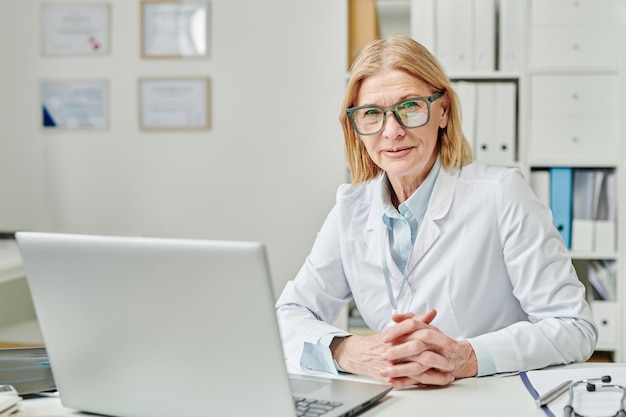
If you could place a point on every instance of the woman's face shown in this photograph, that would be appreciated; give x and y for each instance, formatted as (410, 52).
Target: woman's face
(407, 155)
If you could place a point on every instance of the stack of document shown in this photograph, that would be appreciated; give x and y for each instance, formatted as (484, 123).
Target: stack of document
(26, 369)
(602, 277)
(9, 400)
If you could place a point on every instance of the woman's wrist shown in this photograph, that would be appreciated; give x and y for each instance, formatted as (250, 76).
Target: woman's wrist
(469, 366)
(338, 351)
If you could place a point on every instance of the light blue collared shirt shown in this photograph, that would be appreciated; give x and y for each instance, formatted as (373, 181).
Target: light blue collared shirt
(404, 223)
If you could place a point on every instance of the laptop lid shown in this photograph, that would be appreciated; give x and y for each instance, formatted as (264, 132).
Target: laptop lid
(155, 327)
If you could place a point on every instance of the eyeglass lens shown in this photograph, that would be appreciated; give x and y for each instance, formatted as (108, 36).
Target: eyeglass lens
(410, 113)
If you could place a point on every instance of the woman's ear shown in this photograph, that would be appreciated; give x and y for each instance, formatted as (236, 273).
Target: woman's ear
(443, 120)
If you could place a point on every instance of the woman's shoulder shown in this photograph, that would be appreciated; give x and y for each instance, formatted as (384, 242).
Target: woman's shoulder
(348, 194)
(480, 171)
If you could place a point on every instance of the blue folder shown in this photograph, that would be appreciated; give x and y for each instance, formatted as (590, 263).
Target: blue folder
(561, 182)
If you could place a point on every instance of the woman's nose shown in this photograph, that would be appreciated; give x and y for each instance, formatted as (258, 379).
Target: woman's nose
(392, 129)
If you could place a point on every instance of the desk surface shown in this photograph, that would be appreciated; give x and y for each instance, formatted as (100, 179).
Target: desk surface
(493, 396)
(484, 397)
(472, 397)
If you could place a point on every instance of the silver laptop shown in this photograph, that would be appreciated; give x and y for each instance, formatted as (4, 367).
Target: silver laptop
(153, 327)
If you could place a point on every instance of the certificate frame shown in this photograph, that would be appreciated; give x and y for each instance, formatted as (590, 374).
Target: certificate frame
(75, 29)
(174, 28)
(171, 103)
(74, 104)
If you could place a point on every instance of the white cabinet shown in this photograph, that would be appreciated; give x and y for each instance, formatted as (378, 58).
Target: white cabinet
(573, 141)
(572, 12)
(574, 34)
(567, 62)
(565, 95)
(580, 46)
(574, 118)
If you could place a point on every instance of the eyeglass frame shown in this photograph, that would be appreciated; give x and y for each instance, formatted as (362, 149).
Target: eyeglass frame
(393, 109)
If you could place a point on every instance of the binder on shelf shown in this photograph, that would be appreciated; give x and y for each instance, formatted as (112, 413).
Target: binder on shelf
(561, 201)
(510, 32)
(540, 184)
(496, 126)
(464, 33)
(496, 122)
(454, 32)
(485, 121)
(444, 39)
(583, 210)
(422, 22)
(466, 91)
(503, 148)
(605, 234)
(484, 25)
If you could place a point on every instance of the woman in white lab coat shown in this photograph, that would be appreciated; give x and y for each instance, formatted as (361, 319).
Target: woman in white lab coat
(455, 265)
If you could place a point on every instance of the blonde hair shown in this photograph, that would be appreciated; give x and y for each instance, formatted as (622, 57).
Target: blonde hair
(403, 53)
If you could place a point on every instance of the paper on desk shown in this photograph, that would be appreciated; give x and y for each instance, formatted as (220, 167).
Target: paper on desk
(595, 403)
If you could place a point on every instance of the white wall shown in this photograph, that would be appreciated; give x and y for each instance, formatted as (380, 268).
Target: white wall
(268, 176)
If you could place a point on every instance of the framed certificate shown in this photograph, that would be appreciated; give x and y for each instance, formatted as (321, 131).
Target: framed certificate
(174, 29)
(174, 103)
(75, 29)
(74, 104)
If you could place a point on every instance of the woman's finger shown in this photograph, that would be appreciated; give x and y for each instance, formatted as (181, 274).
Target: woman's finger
(403, 328)
(430, 377)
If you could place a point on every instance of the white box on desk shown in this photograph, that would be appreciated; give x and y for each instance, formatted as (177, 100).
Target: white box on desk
(606, 317)
(583, 234)
(605, 239)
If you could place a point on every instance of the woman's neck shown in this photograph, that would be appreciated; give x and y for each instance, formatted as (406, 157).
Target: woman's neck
(404, 187)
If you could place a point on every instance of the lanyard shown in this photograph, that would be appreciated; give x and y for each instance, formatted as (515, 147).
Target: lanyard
(393, 300)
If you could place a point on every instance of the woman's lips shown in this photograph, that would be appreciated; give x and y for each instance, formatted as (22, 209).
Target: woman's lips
(397, 152)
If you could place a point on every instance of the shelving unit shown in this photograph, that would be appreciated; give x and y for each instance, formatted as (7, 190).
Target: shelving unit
(575, 103)
(567, 59)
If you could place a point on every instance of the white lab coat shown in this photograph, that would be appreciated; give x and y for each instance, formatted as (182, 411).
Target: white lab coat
(487, 257)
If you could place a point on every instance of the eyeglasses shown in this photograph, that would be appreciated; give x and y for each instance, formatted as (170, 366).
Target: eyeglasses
(410, 113)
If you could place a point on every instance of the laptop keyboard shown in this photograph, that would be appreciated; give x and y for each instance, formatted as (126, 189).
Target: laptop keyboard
(308, 407)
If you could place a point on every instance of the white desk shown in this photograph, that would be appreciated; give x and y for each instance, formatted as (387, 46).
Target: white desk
(473, 397)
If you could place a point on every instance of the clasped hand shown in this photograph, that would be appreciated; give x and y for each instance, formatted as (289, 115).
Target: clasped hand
(412, 352)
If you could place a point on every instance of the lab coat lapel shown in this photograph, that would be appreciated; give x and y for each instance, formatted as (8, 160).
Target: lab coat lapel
(374, 228)
(438, 207)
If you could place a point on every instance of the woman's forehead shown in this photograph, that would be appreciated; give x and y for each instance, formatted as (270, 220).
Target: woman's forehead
(388, 86)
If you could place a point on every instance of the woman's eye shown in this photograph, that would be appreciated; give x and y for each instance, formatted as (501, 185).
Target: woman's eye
(372, 113)
(411, 105)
